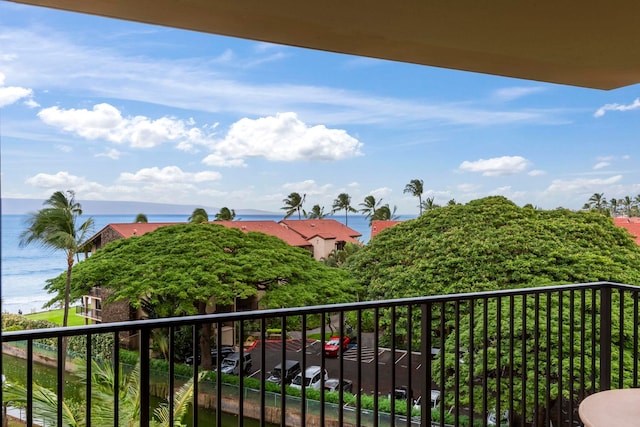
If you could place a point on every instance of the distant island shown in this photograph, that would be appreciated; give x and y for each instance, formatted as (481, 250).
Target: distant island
(13, 206)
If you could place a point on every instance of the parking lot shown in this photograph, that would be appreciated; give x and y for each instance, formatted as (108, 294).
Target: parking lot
(405, 364)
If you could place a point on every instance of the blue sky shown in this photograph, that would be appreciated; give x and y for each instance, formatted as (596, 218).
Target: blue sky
(123, 111)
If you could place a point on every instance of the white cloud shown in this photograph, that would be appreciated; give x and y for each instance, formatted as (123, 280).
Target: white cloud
(31, 103)
(105, 122)
(507, 192)
(617, 107)
(601, 165)
(64, 148)
(282, 138)
(111, 153)
(511, 93)
(308, 187)
(12, 94)
(62, 179)
(106, 73)
(536, 172)
(147, 187)
(497, 166)
(381, 193)
(468, 188)
(169, 175)
(581, 184)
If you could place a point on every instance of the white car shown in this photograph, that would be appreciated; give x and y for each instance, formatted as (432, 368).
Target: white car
(492, 419)
(312, 378)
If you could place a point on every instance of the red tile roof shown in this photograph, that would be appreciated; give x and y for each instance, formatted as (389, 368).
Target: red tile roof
(272, 228)
(377, 226)
(631, 224)
(325, 228)
(267, 227)
(138, 228)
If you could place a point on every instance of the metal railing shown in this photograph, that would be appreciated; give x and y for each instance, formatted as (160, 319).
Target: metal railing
(523, 357)
(89, 313)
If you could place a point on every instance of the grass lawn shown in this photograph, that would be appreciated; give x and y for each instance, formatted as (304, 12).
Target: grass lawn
(55, 316)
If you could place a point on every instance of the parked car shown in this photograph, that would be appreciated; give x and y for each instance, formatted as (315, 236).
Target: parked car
(312, 378)
(225, 351)
(291, 369)
(332, 384)
(231, 363)
(492, 419)
(335, 345)
(402, 393)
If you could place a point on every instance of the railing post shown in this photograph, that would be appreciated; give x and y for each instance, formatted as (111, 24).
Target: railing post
(605, 338)
(425, 361)
(145, 376)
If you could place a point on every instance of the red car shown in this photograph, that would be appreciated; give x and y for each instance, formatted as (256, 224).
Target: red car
(332, 347)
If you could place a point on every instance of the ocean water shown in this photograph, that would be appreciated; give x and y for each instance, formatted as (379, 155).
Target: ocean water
(25, 270)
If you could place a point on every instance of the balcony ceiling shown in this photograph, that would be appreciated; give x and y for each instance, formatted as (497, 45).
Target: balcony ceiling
(587, 43)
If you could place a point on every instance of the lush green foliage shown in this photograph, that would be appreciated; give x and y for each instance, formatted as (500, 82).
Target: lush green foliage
(102, 344)
(491, 244)
(188, 264)
(17, 322)
(338, 257)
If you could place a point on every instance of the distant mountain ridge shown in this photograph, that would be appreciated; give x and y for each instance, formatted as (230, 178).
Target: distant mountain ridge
(13, 206)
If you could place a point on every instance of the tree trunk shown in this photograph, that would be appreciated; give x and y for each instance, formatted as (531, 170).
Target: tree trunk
(67, 290)
(205, 340)
(65, 317)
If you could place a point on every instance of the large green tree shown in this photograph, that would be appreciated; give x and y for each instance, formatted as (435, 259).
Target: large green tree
(343, 202)
(292, 204)
(186, 265)
(56, 227)
(492, 244)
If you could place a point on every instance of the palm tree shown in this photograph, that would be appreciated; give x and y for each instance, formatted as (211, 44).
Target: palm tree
(598, 202)
(225, 214)
(343, 201)
(415, 187)
(141, 218)
(614, 205)
(384, 213)
(199, 216)
(316, 212)
(627, 203)
(636, 205)
(293, 203)
(45, 401)
(55, 227)
(429, 204)
(369, 207)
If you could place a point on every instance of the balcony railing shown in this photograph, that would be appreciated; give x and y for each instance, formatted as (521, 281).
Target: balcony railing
(524, 357)
(89, 313)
